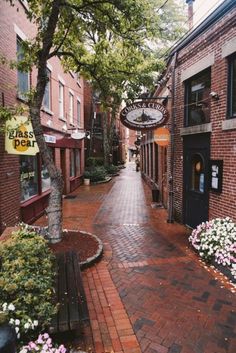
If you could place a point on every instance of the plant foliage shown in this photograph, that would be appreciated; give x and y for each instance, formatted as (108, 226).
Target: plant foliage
(27, 277)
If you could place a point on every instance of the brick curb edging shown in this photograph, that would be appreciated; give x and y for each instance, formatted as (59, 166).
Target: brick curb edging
(93, 259)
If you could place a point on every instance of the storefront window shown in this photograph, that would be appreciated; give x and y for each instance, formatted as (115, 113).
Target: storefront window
(46, 181)
(72, 163)
(75, 161)
(197, 173)
(28, 177)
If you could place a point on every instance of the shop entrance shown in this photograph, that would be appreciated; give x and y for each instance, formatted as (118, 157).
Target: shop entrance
(196, 179)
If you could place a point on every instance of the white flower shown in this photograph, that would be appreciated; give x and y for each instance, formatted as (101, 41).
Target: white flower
(4, 306)
(26, 325)
(12, 321)
(23, 350)
(17, 322)
(17, 329)
(35, 322)
(11, 307)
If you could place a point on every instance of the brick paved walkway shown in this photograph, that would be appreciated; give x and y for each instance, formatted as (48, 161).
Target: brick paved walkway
(149, 293)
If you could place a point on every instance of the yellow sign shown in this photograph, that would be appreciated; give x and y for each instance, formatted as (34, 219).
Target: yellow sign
(19, 137)
(162, 136)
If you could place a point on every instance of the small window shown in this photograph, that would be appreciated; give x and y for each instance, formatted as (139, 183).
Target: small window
(71, 108)
(197, 174)
(232, 88)
(78, 112)
(61, 100)
(47, 93)
(197, 99)
(22, 76)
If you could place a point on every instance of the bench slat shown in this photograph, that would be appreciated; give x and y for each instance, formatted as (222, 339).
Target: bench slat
(72, 290)
(69, 294)
(83, 309)
(63, 319)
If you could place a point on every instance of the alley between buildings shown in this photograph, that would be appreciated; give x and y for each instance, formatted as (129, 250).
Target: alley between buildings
(149, 293)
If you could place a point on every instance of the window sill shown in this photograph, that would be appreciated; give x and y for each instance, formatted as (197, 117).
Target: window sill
(197, 129)
(47, 111)
(229, 124)
(22, 98)
(62, 119)
(35, 198)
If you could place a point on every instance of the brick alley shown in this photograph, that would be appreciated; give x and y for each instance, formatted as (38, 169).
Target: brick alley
(149, 293)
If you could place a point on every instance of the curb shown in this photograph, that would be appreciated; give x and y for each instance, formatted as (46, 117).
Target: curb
(93, 259)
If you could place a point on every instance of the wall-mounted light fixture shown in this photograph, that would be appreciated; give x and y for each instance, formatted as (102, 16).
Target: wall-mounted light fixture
(214, 95)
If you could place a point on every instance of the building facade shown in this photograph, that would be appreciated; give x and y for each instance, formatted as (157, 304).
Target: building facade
(200, 81)
(24, 180)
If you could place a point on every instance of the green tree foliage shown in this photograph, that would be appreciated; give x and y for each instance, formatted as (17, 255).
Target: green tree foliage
(110, 42)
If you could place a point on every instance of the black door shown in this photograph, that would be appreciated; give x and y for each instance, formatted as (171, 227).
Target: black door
(196, 179)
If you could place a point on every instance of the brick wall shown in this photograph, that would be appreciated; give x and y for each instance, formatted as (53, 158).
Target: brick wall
(223, 142)
(13, 23)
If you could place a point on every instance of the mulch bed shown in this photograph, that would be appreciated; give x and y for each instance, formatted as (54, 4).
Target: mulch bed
(83, 244)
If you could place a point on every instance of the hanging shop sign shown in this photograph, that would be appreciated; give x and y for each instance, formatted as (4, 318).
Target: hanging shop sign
(144, 115)
(19, 137)
(162, 136)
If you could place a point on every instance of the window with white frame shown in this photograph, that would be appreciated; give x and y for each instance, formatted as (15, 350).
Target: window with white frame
(22, 76)
(47, 93)
(232, 87)
(61, 101)
(71, 108)
(78, 112)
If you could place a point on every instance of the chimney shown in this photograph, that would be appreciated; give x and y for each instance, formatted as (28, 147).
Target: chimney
(190, 13)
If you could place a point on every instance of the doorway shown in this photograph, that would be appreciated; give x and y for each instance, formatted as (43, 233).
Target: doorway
(196, 179)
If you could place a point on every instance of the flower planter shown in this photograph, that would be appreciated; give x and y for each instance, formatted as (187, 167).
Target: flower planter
(86, 181)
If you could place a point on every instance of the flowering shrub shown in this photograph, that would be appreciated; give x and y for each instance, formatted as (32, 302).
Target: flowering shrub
(27, 281)
(43, 344)
(216, 240)
(21, 326)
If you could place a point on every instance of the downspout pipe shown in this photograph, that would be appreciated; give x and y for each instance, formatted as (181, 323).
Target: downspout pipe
(170, 218)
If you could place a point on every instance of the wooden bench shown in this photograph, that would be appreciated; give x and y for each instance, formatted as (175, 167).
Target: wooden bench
(70, 295)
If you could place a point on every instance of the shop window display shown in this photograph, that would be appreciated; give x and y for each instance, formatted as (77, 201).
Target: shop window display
(45, 178)
(28, 177)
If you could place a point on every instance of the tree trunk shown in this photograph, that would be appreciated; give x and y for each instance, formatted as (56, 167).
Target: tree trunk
(106, 145)
(54, 210)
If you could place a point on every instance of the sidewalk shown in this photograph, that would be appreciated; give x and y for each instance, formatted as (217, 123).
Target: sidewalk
(149, 293)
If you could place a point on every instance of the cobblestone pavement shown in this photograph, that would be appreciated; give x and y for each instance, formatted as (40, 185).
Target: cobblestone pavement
(149, 293)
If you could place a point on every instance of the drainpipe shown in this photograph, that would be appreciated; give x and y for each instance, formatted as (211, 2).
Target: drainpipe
(172, 147)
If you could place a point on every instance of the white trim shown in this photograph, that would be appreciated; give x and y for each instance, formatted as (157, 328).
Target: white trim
(229, 124)
(199, 66)
(229, 48)
(71, 92)
(49, 66)
(19, 32)
(61, 80)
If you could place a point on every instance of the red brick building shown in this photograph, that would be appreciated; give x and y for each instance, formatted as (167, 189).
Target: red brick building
(24, 181)
(94, 125)
(200, 163)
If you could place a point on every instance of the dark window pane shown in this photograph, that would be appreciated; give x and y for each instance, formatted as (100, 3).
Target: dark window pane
(197, 101)
(232, 88)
